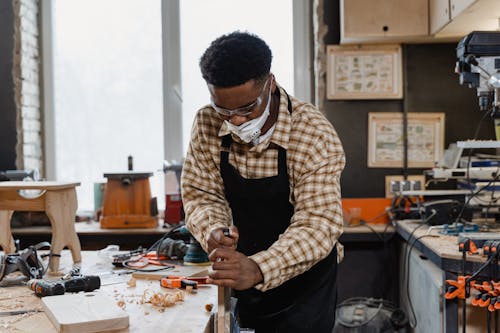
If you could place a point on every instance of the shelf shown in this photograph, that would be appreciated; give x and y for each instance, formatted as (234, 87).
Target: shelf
(478, 144)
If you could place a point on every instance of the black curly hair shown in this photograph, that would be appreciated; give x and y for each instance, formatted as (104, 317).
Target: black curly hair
(234, 59)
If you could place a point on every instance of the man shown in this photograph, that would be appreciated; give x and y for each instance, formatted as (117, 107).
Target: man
(269, 164)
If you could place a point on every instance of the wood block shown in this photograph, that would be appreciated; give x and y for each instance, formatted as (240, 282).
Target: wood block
(84, 312)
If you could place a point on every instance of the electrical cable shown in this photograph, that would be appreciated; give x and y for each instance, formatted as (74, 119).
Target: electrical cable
(469, 157)
(366, 223)
(414, 317)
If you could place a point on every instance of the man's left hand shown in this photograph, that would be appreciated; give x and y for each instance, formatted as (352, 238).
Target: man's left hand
(233, 269)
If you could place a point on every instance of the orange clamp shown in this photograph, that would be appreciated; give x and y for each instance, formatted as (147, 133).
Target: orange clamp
(456, 289)
(174, 281)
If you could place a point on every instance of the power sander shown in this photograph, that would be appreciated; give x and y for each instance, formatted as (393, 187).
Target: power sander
(179, 243)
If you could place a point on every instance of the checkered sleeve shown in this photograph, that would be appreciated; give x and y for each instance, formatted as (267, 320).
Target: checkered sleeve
(202, 188)
(316, 225)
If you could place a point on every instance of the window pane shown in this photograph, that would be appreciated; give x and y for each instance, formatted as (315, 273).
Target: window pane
(108, 91)
(202, 21)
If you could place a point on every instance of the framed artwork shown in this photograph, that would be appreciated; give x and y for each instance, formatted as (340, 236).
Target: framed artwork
(364, 72)
(385, 139)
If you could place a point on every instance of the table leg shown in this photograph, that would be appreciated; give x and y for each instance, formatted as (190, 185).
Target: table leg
(6, 240)
(61, 210)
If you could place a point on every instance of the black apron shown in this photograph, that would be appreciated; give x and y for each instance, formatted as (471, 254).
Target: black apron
(262, 211)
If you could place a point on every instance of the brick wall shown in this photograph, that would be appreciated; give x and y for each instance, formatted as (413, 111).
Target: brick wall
(26, 75)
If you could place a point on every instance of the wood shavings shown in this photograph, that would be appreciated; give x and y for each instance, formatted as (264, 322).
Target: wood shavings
(132, 283)
(121, 304)
(162, 300)
(209, 307)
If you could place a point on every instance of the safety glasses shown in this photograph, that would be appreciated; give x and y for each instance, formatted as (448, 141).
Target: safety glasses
(243, 111)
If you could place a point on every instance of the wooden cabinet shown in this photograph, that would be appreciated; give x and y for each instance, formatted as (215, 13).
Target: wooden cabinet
(442, 12)
(407, 21)
(458, 6)
(464, 17)
(439, 15)
(383, 20)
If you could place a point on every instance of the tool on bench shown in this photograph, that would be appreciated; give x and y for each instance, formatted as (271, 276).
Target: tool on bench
(72, 284)
(174, 281)
(27, 262)
(143, 260)
(127, 201)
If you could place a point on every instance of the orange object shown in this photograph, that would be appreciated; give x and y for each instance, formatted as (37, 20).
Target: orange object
(150, 258)
(373, 210)
(127, 201)
(470, 247)
(174, 281)
(456, 289)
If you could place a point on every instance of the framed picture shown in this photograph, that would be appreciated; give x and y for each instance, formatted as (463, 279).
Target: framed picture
(364, 72)
(385, 139)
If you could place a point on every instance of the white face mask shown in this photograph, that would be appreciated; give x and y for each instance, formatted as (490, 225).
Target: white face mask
(249, 131)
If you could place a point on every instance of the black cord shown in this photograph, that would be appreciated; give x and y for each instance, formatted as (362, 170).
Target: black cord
(414, 324)
(469, 157)
(473, 194)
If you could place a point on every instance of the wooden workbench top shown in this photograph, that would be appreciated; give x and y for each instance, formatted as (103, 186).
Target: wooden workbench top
(187, 316)
(441, 249)
(45, 185)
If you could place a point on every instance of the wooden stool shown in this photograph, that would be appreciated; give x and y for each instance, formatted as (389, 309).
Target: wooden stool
(58, 201)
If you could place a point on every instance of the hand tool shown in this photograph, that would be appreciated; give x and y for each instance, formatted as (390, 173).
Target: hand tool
(457, 288)
(174, 281)
(58, 287)
(224, 301)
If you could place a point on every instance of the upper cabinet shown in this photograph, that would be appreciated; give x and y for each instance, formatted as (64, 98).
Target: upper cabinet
(383, 20)
(469, 15)
(406, 21)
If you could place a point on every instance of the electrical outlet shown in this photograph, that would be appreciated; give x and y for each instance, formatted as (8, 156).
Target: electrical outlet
(410, 184)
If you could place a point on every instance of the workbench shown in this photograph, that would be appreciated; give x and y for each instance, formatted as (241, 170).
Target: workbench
(434, 258)
(187, 316)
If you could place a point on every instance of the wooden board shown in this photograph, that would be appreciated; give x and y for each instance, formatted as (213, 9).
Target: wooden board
(84, 312)
(178, 270)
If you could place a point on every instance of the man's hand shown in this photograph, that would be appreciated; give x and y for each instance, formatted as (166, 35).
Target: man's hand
(218, 240)
(233, 269)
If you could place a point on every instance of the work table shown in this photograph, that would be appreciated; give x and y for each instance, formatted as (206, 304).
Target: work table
(441, 249)
(189, 315)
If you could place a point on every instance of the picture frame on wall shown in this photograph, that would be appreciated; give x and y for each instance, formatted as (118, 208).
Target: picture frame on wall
(364, 72)
(386, 145)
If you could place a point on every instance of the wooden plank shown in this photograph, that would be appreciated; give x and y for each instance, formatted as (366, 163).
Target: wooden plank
(223, 310)
(84, 312)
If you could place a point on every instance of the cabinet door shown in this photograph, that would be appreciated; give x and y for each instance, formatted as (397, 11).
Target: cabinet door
(458, 6)
(383, 18)
(439, 14)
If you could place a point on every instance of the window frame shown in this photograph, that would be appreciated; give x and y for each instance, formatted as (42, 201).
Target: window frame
(172, 85)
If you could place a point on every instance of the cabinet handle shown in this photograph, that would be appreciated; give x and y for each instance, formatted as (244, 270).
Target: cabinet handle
(385, 28)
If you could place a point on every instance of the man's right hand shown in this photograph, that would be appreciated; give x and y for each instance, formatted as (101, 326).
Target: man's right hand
(218, 240)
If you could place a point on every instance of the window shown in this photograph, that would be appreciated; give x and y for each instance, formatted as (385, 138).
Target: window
(107, 88)
(111, 89)
(202, 21)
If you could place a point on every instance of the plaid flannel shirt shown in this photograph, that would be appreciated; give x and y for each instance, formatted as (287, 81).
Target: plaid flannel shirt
(315, 160)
